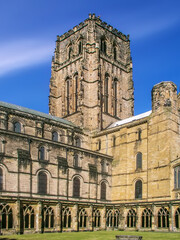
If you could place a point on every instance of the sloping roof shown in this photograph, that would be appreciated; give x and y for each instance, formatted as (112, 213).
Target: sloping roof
(36, 113)
(131, 119)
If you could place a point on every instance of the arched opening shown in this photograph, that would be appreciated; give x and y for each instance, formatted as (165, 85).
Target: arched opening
(115, 53)
(7, 216)
(109, 218)
(116, 218)
(76, 187)
(106, 94)
(83, 218)
(66, 218)
(47, 217)
(76, 160)
(103, 45)
(103, 191)
(131, 218)
(28, 213)
(80, 47)
(42, 183)
(163, 218)
(17, 127)
(1, 179)
(97, 218)
(41, 153)
(115, 96)
(77, 142)
(177, 177)
(55, 136)
(68, 95)
(147, 218)
(76, 92)
(138, 189)
(177, 218)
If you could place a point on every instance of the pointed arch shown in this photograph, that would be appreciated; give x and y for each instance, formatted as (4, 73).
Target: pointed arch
(163, 218)
(7, 216)
(103, 190)
(138, 189)
(76, 187)
(28, 213)
(83, 217)
(131, 218)
(106, 92)
(146, 218)
(66, 217)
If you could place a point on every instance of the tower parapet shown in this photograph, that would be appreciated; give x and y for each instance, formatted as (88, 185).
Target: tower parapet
(164, 95)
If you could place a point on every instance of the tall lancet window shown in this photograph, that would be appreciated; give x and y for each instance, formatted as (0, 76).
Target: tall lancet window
(68, 95)
(115, 53)
(115, 96)
(76, 92)
(106, 93)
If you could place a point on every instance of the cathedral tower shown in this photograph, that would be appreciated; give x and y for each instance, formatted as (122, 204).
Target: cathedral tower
(91, 83)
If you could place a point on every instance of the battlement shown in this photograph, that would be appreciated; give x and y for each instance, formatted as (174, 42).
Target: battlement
(99, 22)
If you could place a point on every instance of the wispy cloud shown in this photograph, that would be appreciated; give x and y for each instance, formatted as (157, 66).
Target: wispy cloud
(16, 55)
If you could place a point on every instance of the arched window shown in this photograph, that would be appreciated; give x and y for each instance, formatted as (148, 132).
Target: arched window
(76, 187)
(115, 96)
(139, 134)
(177, 218)
(138, 189)
(131, 218)
(147, 218)
(99, 145)
(76, 160)
(163, 218)
(80, 47)
(28, 213)
(68, 95)
(109, 218)
(7, 217)
(77, 142)
(41, 154)
(1, 179)
(70, 52)
(103, 191)
(47, 217)
(103, 45)
(106, 95)
(83, 218)
(66, 218)
(115, 53)
(116, 218)
(17, 127)
(76, 92)
(177, 177)
(55, 136)
(139, 161)
(97, 218)
(42, 183)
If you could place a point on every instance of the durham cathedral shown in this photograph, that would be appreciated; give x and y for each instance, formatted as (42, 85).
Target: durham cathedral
(90, 164)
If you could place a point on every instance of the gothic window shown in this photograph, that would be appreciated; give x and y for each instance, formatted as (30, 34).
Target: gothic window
(139, 134)
(76, 93)
(77, 142)
(177, 177)
(103, 191)
(80, 47)
(163, 218)
(109, 218)
(76, 187)
(66, 218)
(47, 217)
(116, 218)
(147, 218)
(115, 96)
(115, 53)
(76, 160)
(1, 179)
(70, 52)
(131, 218)
(103, 45)
(17, 127)
(41, 153)
(114, 141)
(177, 218)
(68, 95)
(28, 213)
(97, 218)
(42, 183)
(83, 218)
(7, 217)
(55, 136)
(139, 160)
(106, 93)
(138, 189)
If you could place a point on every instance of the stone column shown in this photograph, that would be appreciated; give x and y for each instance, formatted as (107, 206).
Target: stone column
(58, 221)
(39, 218)
(122, 219)
(171, 218)
(91, 227)
(75, 218)
(18, 217)
(138, 219)
(103, 221)
(153, 218)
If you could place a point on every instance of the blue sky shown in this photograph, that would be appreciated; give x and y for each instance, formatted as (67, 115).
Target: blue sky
(28, 32)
